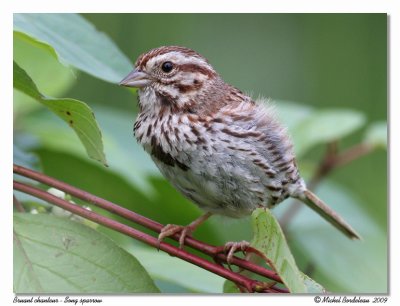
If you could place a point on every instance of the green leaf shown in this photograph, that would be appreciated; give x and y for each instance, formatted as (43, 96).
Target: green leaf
(325, 126)
(269, 239)
(376, 134)
(56, 255)
(230, 287)
(162, 266)
(291, 114)
(39, 66)
(24, 83)
(76, 42)
(76, 113)
(308, 127)
(311, 285)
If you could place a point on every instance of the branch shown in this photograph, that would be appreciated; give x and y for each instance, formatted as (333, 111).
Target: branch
(331, 161)
(243, 281)
(18, 205)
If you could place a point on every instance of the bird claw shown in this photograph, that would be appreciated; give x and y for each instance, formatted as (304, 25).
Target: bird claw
(172, 229)
(230, 248)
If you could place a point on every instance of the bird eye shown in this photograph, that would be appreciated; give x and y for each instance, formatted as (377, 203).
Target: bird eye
(167, 67)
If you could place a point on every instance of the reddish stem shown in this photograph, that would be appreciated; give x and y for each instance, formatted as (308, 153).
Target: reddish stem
(249, 284)
(148, 223)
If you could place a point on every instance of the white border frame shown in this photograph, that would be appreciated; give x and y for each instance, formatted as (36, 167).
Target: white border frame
(7, 8)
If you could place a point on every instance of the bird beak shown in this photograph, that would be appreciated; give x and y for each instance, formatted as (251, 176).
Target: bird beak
(136, 78)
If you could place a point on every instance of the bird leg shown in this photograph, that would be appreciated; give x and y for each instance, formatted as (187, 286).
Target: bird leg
(171, 229)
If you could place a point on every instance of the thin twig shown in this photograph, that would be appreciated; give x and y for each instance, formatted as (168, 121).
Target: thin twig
(18, 204)
(331, 161)
(250, 284)
(353, 153)
(146, 222)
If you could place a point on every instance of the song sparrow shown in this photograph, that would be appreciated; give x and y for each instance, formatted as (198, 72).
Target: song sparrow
(216, 145)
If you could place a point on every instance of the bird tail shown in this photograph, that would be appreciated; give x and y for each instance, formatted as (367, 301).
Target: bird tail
(316, 204)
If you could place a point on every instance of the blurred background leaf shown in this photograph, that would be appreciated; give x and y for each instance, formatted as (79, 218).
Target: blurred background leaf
(376, 134)
(165, 269)
(325, 126)
(308, 64)
(75, 42)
